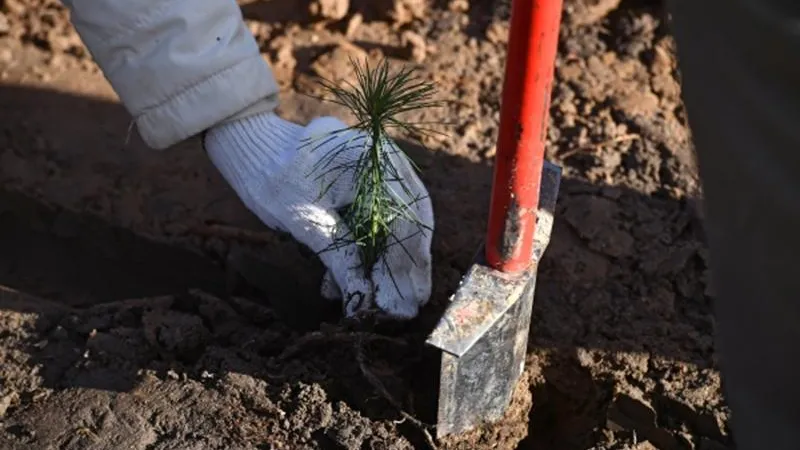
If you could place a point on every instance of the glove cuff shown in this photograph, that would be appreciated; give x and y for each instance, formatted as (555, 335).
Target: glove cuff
(254, 146)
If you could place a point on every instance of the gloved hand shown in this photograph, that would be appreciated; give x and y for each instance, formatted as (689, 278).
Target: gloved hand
(272, 167)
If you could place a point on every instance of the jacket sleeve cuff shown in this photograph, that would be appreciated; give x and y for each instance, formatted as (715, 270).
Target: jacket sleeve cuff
(240, 90)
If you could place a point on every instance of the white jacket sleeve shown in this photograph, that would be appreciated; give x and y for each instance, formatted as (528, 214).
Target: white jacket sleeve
(178, 66)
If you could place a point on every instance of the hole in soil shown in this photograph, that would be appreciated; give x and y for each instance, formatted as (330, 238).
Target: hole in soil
(79, 260)
(568, 408)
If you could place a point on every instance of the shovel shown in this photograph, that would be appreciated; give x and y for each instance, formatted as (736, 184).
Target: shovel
(483, 335)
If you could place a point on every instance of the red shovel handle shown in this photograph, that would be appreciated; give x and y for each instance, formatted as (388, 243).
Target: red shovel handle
(532, 46)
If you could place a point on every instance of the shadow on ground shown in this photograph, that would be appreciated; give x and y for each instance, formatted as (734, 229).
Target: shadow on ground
(177, 325)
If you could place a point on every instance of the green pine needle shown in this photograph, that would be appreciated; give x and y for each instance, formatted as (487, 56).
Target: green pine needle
(376, 100)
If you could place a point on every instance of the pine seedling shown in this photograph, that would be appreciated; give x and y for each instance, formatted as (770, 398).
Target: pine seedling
(377, 100)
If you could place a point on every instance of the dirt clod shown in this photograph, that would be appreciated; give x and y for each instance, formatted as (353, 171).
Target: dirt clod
(336, 65)
(460, 6)
(497, 32)
(282, 60)
(329, 9)
(590, 11)
(353, 25)
(416, 46)
(405, 11)
(174, 332)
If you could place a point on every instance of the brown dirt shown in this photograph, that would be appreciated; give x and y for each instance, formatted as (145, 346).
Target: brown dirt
(145, 308)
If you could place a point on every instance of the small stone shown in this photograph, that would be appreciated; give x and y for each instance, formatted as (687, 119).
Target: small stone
(329, 9)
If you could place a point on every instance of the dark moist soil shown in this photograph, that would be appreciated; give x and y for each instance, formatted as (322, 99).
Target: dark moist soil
(143, 307)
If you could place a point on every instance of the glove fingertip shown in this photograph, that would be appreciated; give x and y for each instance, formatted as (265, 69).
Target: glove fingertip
(329, 290)
(324, 124)
(400, 296)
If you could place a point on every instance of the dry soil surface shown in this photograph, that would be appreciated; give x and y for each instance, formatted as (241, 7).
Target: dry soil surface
(144, 307)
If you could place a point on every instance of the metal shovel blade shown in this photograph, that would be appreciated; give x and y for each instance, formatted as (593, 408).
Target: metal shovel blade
(483, 334)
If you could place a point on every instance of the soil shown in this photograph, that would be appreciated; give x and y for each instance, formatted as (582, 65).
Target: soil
(143, 307)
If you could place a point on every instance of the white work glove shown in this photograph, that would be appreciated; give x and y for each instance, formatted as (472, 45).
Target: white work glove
(274, 169)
